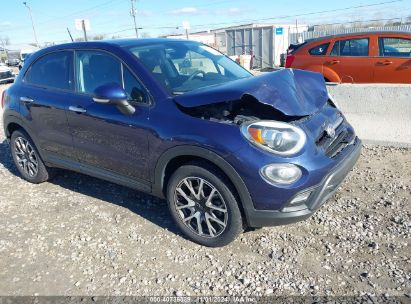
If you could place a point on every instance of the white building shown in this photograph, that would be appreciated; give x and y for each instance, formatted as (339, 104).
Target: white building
(265, 42)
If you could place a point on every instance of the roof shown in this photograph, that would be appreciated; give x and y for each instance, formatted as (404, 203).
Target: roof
(359, 34)
(118, 42)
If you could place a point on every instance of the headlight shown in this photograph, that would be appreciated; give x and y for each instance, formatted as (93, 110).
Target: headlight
(282, 174)
(276, 137)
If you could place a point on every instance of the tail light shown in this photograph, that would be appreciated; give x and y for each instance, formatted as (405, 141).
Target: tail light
(289, 61)
(3, 99)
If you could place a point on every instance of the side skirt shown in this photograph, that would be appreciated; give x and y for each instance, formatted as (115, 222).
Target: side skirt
(54, 160)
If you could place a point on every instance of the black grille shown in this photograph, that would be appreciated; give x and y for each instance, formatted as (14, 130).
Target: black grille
(332, 146)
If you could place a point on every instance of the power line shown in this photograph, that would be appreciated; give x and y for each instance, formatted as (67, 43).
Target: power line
(358, 21)
(274, 18)
(233, 23)
(301, 15)
(99, 6)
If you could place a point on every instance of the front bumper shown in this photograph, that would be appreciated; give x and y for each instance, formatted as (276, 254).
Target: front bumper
(319, 194)
(7, 79)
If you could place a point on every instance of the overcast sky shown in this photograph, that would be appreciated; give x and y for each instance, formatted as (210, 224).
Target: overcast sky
(157, 17)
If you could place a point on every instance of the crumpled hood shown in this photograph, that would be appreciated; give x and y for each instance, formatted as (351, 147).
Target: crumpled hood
(293, 92)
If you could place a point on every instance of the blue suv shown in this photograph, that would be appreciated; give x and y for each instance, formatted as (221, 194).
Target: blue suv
(177, 119)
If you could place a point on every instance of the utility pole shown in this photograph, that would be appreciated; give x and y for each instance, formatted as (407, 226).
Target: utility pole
(186, 27)
(4, 48)
(133, 13)
(32, 23)
(83, 26)
(296, 26)
(71, 37)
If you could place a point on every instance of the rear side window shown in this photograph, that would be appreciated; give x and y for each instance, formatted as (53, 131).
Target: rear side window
(294, 47)
(351, 47)
(394, 47)
(319, 50)
(53, 70)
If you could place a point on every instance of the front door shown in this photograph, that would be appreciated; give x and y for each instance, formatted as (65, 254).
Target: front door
(393, 65)
(102, 136)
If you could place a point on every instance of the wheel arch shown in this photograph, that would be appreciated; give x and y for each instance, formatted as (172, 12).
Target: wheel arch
(177, 156)
(331, 75)
(13, 123)
(327, 73)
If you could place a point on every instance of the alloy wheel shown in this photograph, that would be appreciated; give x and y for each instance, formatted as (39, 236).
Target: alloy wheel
(26, 156)
(201, 207)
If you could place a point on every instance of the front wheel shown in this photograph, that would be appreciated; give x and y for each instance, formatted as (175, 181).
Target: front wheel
(203, 205)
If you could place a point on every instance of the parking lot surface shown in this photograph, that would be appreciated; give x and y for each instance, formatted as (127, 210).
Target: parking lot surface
(77, 235)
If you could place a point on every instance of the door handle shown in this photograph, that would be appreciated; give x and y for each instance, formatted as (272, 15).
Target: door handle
(26, 99)
(387, 62)
(334, 61)
(77, 109)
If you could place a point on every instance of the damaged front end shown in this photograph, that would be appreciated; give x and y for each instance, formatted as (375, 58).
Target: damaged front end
(292, 93)
(246, 109)
(276, 111)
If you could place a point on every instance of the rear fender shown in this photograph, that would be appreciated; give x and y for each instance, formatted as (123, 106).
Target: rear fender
(11, 119)
(328, 73)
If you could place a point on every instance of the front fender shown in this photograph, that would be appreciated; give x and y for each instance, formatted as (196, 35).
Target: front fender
(217, 160)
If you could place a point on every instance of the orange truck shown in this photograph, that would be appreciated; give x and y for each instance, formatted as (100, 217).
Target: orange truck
(374, 57)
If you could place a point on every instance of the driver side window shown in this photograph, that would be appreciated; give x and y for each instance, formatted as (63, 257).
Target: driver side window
(194, 62)
(97, 68)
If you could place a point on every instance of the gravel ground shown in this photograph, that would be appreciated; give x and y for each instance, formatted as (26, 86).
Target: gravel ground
(77, 235)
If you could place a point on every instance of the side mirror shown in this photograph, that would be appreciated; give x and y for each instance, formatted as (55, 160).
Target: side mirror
(113, 93)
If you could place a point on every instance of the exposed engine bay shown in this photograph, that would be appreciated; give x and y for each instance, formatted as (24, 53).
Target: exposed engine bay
(248, 108)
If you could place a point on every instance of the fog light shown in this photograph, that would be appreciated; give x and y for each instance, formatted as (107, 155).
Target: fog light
(281, 174)
(300, 198)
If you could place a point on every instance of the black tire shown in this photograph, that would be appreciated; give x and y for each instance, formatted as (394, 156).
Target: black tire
(211, 177)
(42, 173)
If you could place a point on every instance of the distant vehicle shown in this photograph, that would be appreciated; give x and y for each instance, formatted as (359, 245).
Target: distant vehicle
(21, 64)
(6, 74)
(24, 54)
(377, 57)
(179, 120)
(13, 62)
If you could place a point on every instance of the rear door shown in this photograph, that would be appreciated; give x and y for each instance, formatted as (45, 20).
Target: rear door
(44, 98)
(310, 57)
(393, 64)
(317, 57)
(350, 59)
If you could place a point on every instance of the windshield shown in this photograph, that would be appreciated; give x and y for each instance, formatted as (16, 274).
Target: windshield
(185, 66)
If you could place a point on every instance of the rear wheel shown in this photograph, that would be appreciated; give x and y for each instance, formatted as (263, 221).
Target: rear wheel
(27, 159)
(203, 205)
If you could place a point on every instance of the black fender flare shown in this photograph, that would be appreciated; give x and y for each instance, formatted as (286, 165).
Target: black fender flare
(217, 160)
